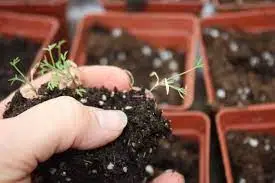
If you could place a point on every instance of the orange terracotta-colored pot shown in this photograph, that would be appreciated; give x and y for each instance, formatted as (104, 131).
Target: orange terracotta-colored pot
(41, 29)
(184, 6)
(258, 118)
(195, 126)
(179, 32)
(261, 5)
(54, 8)
(250, 21)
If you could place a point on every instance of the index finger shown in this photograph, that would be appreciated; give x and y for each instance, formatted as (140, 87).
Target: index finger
(107, 76)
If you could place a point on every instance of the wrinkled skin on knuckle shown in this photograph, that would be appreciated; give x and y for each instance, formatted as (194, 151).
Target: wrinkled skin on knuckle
(69, 107)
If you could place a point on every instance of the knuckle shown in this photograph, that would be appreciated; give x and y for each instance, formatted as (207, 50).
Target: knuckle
(71, 106)
(68, 100)
(75, 116)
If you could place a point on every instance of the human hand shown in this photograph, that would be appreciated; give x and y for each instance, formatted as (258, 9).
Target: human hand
(31, 137)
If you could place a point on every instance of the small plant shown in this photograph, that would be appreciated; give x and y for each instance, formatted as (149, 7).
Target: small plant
(21, 77)
(64, 71)
(170, 82)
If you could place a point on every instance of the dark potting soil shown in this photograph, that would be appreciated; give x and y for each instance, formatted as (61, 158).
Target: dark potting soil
(11, 48)
(135, 156)
(180, 154)
(243, 68)
(119, 48)
(252, 156)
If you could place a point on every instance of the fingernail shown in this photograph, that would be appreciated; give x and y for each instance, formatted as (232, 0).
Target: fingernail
(168, 171)
(131, 77)
(111, 119)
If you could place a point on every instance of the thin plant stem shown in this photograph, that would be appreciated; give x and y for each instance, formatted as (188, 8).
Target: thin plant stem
(15, 67)
(25, 79)
(185, 72)
(168, 82)
(51, 56)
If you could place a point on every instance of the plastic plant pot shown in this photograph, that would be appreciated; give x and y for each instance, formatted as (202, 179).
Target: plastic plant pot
(179, 32)
(40, 29)
(184, 6)
(253, 21)
(54, 8)
(195, 126)
(260, 5)
(258, 118)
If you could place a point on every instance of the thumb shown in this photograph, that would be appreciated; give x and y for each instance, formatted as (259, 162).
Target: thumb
(51, 127)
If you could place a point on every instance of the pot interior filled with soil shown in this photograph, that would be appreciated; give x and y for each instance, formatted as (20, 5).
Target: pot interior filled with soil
(117, 47)
(251, 156)
(247, 143)
(23, 36)
(242, 70)
(146, 47)
(196, 133)
(9, 46)
(138, 155)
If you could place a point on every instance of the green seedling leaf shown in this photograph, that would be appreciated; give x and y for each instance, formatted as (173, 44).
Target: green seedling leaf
(21, 77)
(60, 69)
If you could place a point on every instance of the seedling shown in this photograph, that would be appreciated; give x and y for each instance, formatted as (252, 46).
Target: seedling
(63, 71)
(65, 74)
(170, 82)
(21, 77)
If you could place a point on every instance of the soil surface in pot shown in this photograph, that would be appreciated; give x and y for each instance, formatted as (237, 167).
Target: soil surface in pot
(119, 48)
(242, 66)
(136, 156)
(12, 47)
(179, 154)
(252, 156)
